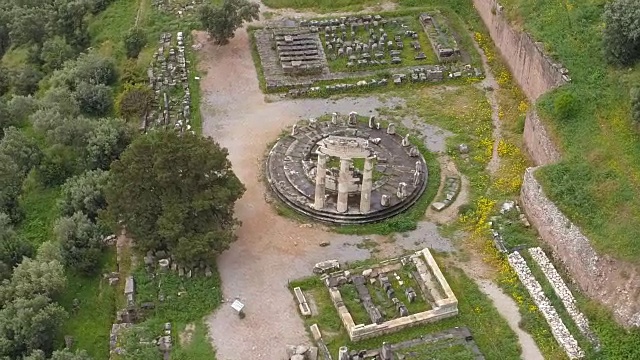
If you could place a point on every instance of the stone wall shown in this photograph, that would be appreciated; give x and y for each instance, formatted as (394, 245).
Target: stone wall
(537, 141)
(534, 71)
(614, 283)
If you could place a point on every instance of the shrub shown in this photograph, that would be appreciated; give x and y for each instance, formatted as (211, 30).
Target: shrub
(621, 38)
(80, 242)
(94, 100)
(135, 102)
(564, 105)
(25, 82)
(635, 105)
(58, 165)
(134, 42)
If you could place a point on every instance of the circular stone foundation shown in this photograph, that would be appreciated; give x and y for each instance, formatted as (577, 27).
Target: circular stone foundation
(346, 170)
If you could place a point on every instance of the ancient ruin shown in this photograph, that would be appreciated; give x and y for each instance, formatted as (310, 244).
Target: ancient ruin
(399, 282)
(415, 48)
(346, 169)
(299, 51)
(169, 80)
(418, 348)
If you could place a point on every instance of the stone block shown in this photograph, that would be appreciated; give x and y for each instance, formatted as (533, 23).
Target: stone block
(315, 332)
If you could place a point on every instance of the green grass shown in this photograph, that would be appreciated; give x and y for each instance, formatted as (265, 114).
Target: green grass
(187, 301)
(596, 183)
(40, 206)
(445, 349)
(490, 331)
(462, 110)
(91, 324)
(321, 5)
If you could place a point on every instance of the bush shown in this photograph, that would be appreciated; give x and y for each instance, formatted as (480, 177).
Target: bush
(5, 81)
(57, 166)
(564, 105)
(134, 42)
(106, 141)
(55, 52)
(25, 82)
(635, 105)
(94, 100)
(621, 38)
(80, 242)
(135, 102)
(84, 193)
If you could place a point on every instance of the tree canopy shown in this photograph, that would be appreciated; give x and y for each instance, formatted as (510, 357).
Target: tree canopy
(221, 22)
(621, 38)
(175, 192)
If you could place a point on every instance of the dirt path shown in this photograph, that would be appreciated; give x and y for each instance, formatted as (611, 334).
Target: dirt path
(490, 85)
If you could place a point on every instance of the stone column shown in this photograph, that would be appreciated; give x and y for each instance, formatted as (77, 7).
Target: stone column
(367, 184)
(321, 171)
(343, 185)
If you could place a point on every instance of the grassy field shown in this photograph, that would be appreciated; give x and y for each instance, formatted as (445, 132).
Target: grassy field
(597, 182)
(322, 5)
(90, 324)
(490, 331)
(186, 302)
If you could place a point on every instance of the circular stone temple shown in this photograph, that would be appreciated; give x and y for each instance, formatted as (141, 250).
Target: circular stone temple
(346, 170)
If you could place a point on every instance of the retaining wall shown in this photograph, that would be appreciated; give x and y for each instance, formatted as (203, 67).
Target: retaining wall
(614, 283)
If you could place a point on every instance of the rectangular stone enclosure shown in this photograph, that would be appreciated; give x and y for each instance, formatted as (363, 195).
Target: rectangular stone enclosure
(432, 286)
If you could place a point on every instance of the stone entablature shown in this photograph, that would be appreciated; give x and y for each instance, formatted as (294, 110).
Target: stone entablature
(431, 280)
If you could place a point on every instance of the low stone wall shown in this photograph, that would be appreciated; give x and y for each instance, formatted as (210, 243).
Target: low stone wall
(446, 306)
(558, 329)
(537, 141)
(614, 283)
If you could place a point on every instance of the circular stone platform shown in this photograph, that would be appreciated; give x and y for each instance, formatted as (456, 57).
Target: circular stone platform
(367, 172)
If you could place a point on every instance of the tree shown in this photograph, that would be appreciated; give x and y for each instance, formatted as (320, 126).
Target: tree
(94, 68)
(29, 323)
(10, 185)
(57, 165)
(221, 22)
(5, 80)
(106, 141)
(62, 100)
(135, 102)
(635, 105)
(23, 150)
(37, 277)
(55, 52)
(134, 42)
(12, 247)
(175, 192)
(94, 100)
(64, 354)
(80, 242)
(84, 193)
(91, 67)
(25, 82)
(621, 37)
(20, 108)
(29, 320)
